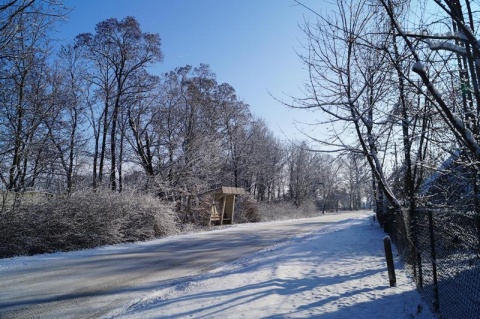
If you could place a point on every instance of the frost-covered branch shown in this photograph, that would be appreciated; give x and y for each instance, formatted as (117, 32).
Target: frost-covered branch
(419, 68)
(447, 46)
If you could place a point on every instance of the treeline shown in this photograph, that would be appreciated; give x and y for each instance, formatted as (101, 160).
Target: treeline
(95, 148)
(91, 115)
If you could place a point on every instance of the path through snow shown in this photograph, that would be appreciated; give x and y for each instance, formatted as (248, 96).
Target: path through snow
(337, 272)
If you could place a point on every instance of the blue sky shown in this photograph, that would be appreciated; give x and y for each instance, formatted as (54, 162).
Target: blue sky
(249, 44)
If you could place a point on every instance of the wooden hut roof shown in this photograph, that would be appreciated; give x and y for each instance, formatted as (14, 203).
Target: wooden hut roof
(226, 190)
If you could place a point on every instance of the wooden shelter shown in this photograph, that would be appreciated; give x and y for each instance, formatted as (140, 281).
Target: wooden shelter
(223, 204)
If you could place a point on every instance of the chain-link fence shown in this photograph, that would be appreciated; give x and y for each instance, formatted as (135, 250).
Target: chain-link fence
(442, 249)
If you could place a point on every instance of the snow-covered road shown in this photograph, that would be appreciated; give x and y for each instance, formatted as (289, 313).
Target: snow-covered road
(338, 272)
(94, 283)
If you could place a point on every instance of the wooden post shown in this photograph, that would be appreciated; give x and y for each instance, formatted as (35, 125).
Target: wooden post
(233, 208)
(223, 209)
(229, 207)
(389, 256)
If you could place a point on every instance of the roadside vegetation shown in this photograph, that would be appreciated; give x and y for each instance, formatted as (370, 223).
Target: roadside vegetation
(43, 224)
(97, 149)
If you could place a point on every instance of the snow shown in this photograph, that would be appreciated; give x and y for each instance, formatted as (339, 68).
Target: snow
(442, 45)
(418, 67)
(461, 36)
(467, 134)
(336, 272)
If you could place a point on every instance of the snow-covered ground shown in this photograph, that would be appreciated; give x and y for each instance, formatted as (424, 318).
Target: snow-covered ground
(337, 272)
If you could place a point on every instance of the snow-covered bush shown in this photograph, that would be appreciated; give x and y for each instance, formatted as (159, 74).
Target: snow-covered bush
(199, 213)
(246, 210)
(286, 210)
(83, 220)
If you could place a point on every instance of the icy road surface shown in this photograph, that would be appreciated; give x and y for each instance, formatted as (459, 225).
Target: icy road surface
(93, 283)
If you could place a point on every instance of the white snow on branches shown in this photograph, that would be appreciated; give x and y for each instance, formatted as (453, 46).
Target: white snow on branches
(461, 36)
(418, 67)
(441, 45)
(468, 135)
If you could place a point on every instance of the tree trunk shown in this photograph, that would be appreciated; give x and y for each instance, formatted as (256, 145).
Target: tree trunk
(104, 141)
(113, 144)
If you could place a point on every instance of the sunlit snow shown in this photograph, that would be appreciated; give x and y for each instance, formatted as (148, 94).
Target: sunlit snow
(338, 272)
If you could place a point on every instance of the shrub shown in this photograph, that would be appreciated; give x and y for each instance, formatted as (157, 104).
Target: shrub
(200, 213)
(83, 220)
(287, 210)
(246, 210)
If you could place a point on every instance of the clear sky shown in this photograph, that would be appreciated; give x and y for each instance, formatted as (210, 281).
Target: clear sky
(250, 44)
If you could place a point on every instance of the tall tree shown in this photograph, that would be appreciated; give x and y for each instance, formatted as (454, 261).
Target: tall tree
(448, 77)
(348, 81)
(118, 52)
(68, 116)
(24, 93)
(10, 13)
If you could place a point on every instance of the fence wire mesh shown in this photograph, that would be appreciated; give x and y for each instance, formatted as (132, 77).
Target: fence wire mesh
(442, 250)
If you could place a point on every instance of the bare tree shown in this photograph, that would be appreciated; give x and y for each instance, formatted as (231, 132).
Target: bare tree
(25, 93)
(9, 12)
(349, 82)
(264, 159)
(118, 52)
(356, 177)
(68, 116)
(302, 178)
(444, 57)
(327, 181)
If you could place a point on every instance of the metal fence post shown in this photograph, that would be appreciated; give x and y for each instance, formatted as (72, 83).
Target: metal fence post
(436, 304)
(389, 256)
(420, 271)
